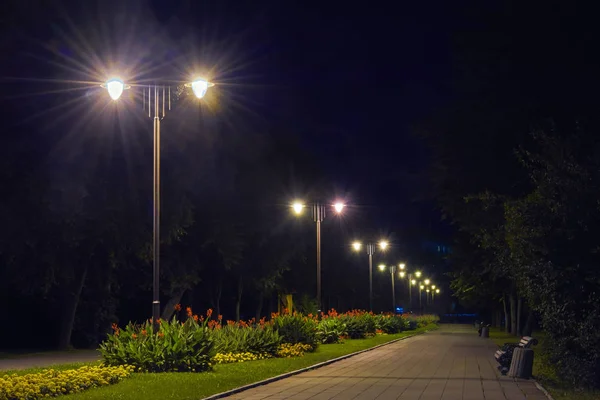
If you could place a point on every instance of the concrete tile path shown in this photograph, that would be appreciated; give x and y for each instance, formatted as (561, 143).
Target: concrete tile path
(452, 363)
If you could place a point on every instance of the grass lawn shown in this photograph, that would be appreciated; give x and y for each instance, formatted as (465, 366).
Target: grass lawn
(183, 385)
(542, 368)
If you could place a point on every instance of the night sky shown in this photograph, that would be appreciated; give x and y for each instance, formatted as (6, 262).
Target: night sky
(352, 81)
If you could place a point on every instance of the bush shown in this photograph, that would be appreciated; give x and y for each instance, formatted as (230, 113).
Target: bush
(331, 330)
(295, 328)
(419, 321)
(389, 323)
(243, 338)
(177, 346)
(51, 383)
(359, 324)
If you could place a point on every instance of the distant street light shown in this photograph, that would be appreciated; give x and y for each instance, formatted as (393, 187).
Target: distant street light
(426, 281)
(157, 102)
(392, 269)
(370, 251)
(421, 287)
(318, 216)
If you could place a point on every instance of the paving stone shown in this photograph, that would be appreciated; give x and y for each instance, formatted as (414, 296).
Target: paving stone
(452, 363)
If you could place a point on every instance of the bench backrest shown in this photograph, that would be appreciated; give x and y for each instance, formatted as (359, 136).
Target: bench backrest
(527, 341)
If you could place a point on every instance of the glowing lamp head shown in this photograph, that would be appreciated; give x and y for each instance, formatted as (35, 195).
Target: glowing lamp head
(433, 286)
(402, 266)
(115, 88)
(381, 267)
(418, 274)
(427, 281)
(402, 274)
(356, 246)
(437, 290)
(421, 287)
(383, 245)
(199, 87)
(298, 207)
(427, 290)
(413, 282)
(339, 207)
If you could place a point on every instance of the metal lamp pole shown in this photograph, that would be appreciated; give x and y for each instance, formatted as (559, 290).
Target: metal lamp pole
(370, 251)
(318, 216)
(156, 111)
(393, 273)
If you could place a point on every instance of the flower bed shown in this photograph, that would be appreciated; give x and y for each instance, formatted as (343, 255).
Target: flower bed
(51, 383)
(199, 342)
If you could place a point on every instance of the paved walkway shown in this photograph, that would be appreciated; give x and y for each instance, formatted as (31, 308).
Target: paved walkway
(42, 360)
(452, 363)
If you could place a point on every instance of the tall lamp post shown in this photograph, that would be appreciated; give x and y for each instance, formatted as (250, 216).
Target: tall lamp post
(370, 251)
(392, 269)
(421, 287)
(318, 216)
(156, 111)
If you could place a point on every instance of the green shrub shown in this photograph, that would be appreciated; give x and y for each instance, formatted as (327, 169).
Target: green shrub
(51, 383)
(389, 324)
(263, 339)
(177, 346)
(359, 324)
(294, 328)
(330, 330)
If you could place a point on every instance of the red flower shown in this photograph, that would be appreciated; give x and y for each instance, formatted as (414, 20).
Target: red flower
(195, 317)
(209, 312)
(188, 310)
(177, 307)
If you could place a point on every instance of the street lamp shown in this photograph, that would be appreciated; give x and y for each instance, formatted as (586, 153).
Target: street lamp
(318, 216)
(427, 296)
(392, 269)
(370, 251)
(157, 101)
(426, 281)
(421, 287)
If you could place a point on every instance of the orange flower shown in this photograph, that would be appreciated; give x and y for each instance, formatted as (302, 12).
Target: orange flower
(134, 336)
(160, 334)
(220, 318)
(209, 312)
(188, 310)
(195, 317)
(144, 332)
(115, 327)
(177, 307)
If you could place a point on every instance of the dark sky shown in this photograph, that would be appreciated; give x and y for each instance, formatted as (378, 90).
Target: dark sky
(351, 79)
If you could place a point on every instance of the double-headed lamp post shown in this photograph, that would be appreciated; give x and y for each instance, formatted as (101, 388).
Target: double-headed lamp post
(318, 216)
(383, 245)
(156, 110)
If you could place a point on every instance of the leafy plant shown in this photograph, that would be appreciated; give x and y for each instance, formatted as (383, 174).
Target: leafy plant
(295, 328)
(236, 338)
(389, 323)
(331, 330)
(177, 346)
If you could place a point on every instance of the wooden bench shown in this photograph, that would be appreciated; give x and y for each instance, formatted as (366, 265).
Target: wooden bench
(504, 355)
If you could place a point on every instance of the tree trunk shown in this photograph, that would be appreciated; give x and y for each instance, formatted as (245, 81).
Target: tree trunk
(238, 300)
(259, 307)
(519, 315)
(69, 307)
(498, 318)
(169, 308)
(513, 314)
(215, 297)
(506, 315)
(528, 329)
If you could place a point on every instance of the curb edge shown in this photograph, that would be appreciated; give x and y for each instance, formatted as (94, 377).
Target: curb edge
(305, 369)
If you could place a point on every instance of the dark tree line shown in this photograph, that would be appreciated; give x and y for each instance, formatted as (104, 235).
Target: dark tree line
(515, 170)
